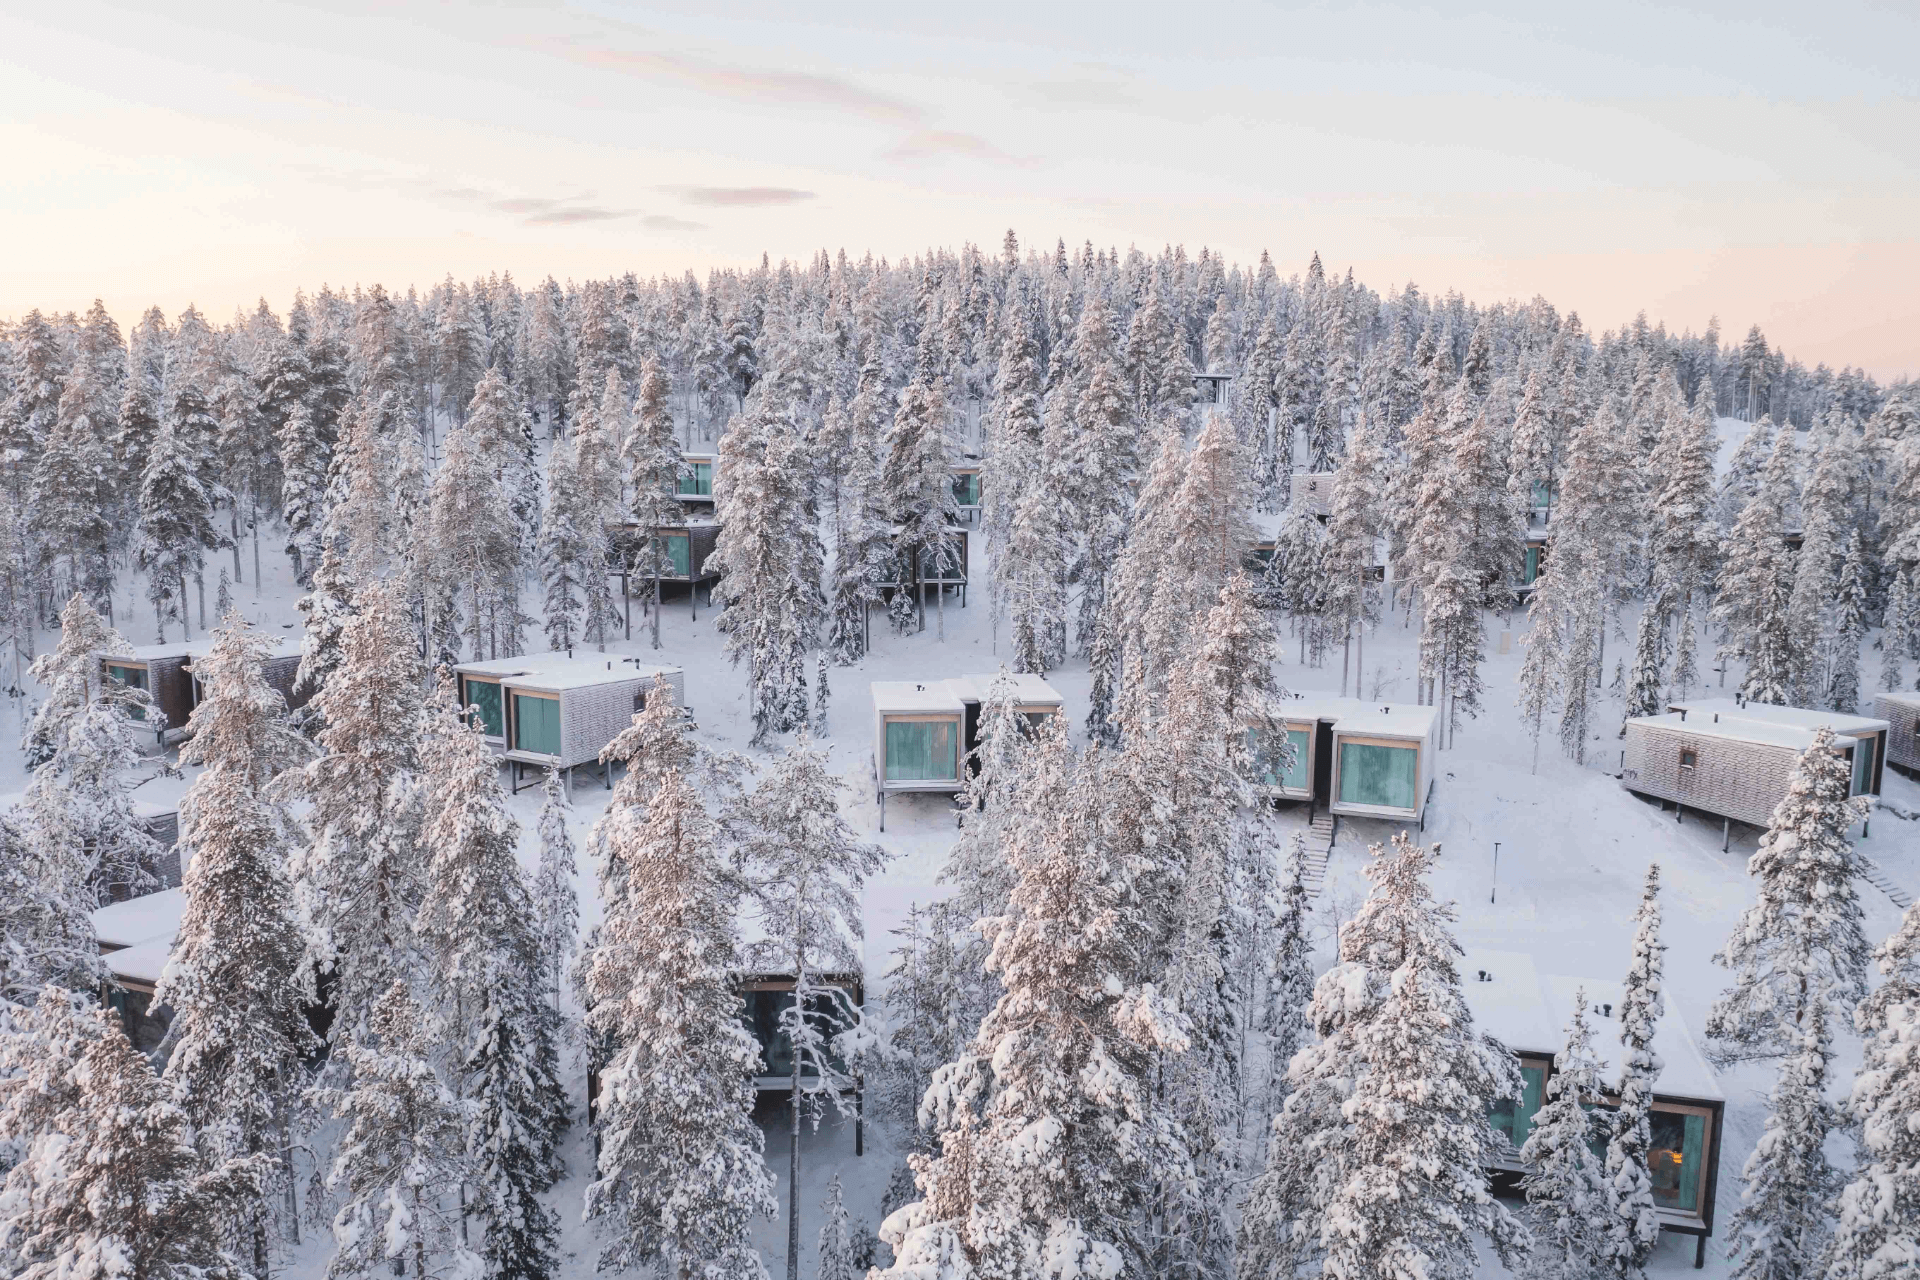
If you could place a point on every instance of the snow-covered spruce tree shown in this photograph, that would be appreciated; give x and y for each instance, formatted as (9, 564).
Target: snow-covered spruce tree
(1567, 1187)
(359, 882)
(1686, 645)
(556, 902)
(770, 558)
(237, 980)
(401, 1155)
(489, 1001)
(43, 1036)
(176, 527)
(1896, 632)
(652, 457)
(1378, 1161)
(917, 478)
(564, 552)
(1632, 1228)
(77, 814)
(1782, 1226)
(1353, 527)
(46, 919)
(1849, 629)
(325, 612)
(681, 1173)
(840, 1253)
(1047, 1129)
(863, 551)
(112, 1185)
(1649, 660)
(1801, 942)
(1014, 427)
(72, 500)
(597, 470)
(1289, 985)
(472, 539)
(1877, 1234)
(806, 870)
(1756, 582)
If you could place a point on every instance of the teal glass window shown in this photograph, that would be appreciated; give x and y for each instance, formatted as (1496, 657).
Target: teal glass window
(1268, 763)
(679, 557)
(1541, 493)
(966, 488)
(1676, 1161)
(1514, 1117)
(932, 571)
(536, 724)
(696, 479)
(1862, 766)
(763, 1013)
(485, 695)
(1532, 570)
(922, 750)
(1385, 777)
(132, 678)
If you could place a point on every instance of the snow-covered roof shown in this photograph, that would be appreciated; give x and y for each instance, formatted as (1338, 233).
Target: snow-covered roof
(1268, 523)
(1321, 706)
(1901, 699)
(1388, 720)
(283, 647)
(1028, 689)
(1528, 1012)
(554, 671)
(141, 963)
(909, 696)
(1705, 726)
(1793, 717)
(153, 917)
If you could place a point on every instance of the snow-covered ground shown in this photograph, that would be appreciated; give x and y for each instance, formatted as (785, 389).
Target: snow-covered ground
(1573, 848)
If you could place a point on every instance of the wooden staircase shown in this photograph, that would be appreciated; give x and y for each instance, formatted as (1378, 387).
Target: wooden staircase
(1878, 879)
(1318, 844)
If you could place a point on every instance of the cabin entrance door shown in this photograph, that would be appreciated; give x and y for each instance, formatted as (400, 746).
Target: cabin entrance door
(1323, 763)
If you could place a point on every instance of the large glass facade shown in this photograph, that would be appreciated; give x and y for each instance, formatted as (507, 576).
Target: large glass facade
(762, 1016)
(1294, 778)
(1862, 766)
(922, 750)
(1676, 1162)
(1515, 1119)
(696, 479)
(536, 724)
(132, 678)
(485, 696)
(679, 556)
(1531, 572)
(966, 488)
(1384, 777)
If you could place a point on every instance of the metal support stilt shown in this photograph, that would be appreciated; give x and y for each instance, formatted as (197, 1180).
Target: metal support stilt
(1726, 834)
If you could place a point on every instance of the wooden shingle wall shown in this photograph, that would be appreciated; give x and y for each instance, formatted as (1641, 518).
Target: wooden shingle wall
(593, 716)
(1903, 739)
(1739, 780)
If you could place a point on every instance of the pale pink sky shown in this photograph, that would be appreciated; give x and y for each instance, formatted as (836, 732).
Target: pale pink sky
(1689, 163)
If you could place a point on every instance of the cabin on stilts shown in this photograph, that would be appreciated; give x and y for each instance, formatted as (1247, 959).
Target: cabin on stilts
(695, 488)
(135, 938)
(165, 671)
(684, 551)
(558, 710)
(1528, 1011)
(923, 732)
(1733, 760)
(1354, 758)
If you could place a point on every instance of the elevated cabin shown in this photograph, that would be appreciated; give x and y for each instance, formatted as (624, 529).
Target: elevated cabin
(1533, 559)
(558, 710)
(1210, 396)
(135, 938)
(1528, 1012)
(1868, 734)
(953, 575)
(1356, 757)
(685, 549)
(923, 731)
(165, 671)
(970, 427)
(1312, 491)
(1734, 768)
(1901, 711)
(966, 490)
(696, 480)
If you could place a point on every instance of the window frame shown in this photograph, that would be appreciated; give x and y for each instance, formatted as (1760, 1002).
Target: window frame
(1416, 745)
(923, 717)
(466, 682)
(512, 697)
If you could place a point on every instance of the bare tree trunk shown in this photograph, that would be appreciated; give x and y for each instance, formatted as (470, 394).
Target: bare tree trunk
(253, 504)
(233, 523)
(184, 632)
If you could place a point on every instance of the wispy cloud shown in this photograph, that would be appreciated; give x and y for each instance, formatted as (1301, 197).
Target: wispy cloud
(661, 222)
(557, 211)
(738, 197)
(937, 144)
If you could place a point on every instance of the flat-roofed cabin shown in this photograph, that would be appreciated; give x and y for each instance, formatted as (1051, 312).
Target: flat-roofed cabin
(1901, 711)
(954, 574)
(165, 671)
(1533, 559)
(135, 938)
(556, 710)
(695, 489)
(685, 549)
(1312, 492)
(1355, 757)
(1733, 767)
(1528, 1012)
(1868, 734)
(1210, 396)
(966, 491)
(924, 730)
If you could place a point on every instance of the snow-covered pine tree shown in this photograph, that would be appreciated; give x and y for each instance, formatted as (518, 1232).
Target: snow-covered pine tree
(1014, 427)
(1542, 669)
(77, 814)
(1801, 942)
(46, 920)
(563, 549)
(112, 1185)
(176, 527)
(1756, 582)
(1047, 1136)
(1849, 629)
(472, 539)
(681, 1173)
(303, 488)
(44, 1033)
(1649, 660)
(71, 507)
(1632, 1228)
(237, 980)
(1353, 527)
(863, 553)
(1567, 1188)
(1782, 1226)
(917, 478)
(556, 902)
(489, 1001)
(359, 881)
(1289, 976)
(806, 870)
(652, 458)
(597, 439)
(1896, 632)
(401, 1154)
(497, 422)
(839, 1250)
(1878, 1229)
(1685, 669)
(1378, 1161)
(325, 612)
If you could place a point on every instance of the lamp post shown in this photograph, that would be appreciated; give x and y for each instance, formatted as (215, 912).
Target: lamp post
(1494, 887)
